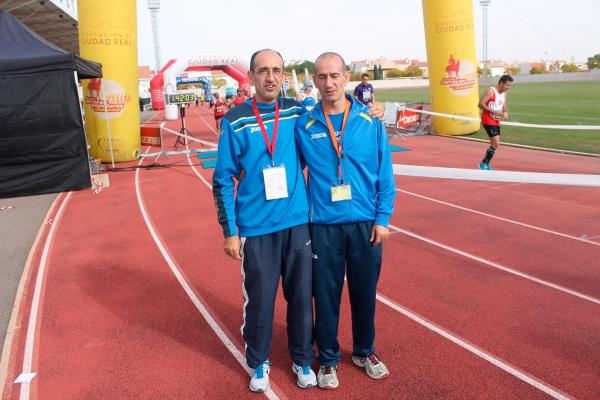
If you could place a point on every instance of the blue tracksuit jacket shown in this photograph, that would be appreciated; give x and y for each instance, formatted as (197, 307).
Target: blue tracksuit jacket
(366, 166)
(243, 152)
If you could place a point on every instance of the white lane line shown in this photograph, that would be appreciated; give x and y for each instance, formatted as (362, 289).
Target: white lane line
(207, 124)
(498, 266)
(188, 289)
(196, 171)
(11, 330)
(531, 380)
(35, 302)
(579, 239)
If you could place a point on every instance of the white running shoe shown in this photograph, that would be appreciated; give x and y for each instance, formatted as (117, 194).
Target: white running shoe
(374, 367)
(306, 376)
(327, 377)
(260, 378)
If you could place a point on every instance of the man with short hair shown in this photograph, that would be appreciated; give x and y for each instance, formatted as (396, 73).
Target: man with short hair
(306, 97)
(240, 98)
(364, 91)
(493, 109)
(265, 225)
(351, 194)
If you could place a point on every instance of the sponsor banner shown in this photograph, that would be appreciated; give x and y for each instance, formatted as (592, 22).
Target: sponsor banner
(408, 117)
(151, 136)
(211, 60)
(108, 35)
(452, 61)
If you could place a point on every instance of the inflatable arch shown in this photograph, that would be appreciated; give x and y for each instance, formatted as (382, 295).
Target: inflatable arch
(199, 79)
(166, 80)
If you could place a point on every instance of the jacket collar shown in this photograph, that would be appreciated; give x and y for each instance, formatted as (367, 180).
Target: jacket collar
(356, 107)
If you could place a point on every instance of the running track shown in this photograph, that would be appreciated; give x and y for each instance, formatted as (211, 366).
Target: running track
(488, 290)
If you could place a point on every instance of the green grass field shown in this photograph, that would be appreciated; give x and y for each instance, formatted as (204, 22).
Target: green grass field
(552, 103)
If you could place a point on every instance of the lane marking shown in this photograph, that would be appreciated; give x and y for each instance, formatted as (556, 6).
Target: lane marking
(499, 266)
(25, 377)
(579, 239)
(35, 302)
(188, 289)
(514, 371)
(12, 328)
(207, 124)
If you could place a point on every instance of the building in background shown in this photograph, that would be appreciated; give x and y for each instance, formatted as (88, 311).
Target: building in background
(386, 64)
(144, 76)
(359, 66)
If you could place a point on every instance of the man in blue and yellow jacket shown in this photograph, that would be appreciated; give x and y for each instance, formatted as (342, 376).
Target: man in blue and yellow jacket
(351, 192)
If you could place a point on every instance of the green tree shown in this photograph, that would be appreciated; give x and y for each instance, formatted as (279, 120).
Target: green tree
(594, 62)
(300, 67)
(512, 70)
(570, 68)
(483, 71)
(538, 70)
(377, 72)
(356, 76)
(413, 71)
(395, 73)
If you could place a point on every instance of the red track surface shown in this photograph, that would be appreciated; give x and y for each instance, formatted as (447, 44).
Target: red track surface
(114, 322)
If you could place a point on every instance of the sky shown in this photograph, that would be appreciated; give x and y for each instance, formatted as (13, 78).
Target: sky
(518, 30)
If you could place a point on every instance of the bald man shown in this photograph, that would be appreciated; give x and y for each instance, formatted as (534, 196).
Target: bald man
(351, 195)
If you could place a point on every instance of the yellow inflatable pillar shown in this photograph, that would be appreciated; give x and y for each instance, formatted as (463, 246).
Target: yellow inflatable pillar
(452, 59)
(108, 35)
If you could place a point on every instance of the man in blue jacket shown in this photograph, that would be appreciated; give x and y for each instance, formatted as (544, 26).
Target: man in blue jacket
(265, 225)
(351, 193)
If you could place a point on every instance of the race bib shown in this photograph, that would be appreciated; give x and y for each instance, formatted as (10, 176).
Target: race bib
(275, 183)
(340, 193)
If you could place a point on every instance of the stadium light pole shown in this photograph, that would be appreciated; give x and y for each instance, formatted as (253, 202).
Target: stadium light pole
(484, 6)
(154, 6)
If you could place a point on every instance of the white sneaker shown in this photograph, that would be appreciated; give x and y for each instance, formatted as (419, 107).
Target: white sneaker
(306, 376)
(260, 378)
(327, 377)
(374, 367)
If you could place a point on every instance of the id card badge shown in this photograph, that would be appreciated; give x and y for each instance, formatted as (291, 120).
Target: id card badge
(275, 182)
(341, 192)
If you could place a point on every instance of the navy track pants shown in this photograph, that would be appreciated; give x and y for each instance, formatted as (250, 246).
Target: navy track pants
(285, 254)
(344, 249)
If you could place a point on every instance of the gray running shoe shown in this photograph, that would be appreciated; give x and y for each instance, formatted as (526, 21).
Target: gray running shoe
(327, 377)
(374, 367)
(306, 376)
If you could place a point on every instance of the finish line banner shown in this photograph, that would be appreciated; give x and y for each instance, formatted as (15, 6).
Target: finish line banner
(498, 176)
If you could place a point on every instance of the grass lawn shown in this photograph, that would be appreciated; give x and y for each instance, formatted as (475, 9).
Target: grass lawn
(552, 103)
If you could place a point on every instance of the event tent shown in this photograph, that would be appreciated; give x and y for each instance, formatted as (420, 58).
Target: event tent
(42, 139)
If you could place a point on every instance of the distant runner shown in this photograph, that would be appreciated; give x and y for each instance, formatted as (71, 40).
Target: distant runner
(493, 106)
(219, 111)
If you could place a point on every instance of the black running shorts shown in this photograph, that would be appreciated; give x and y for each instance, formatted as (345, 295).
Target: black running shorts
(492, 130)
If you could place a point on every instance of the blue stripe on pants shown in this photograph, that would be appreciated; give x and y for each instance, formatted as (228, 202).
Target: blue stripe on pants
(285, 254)
(344, 249)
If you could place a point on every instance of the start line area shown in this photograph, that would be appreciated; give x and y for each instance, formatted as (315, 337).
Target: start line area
(489, 288)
